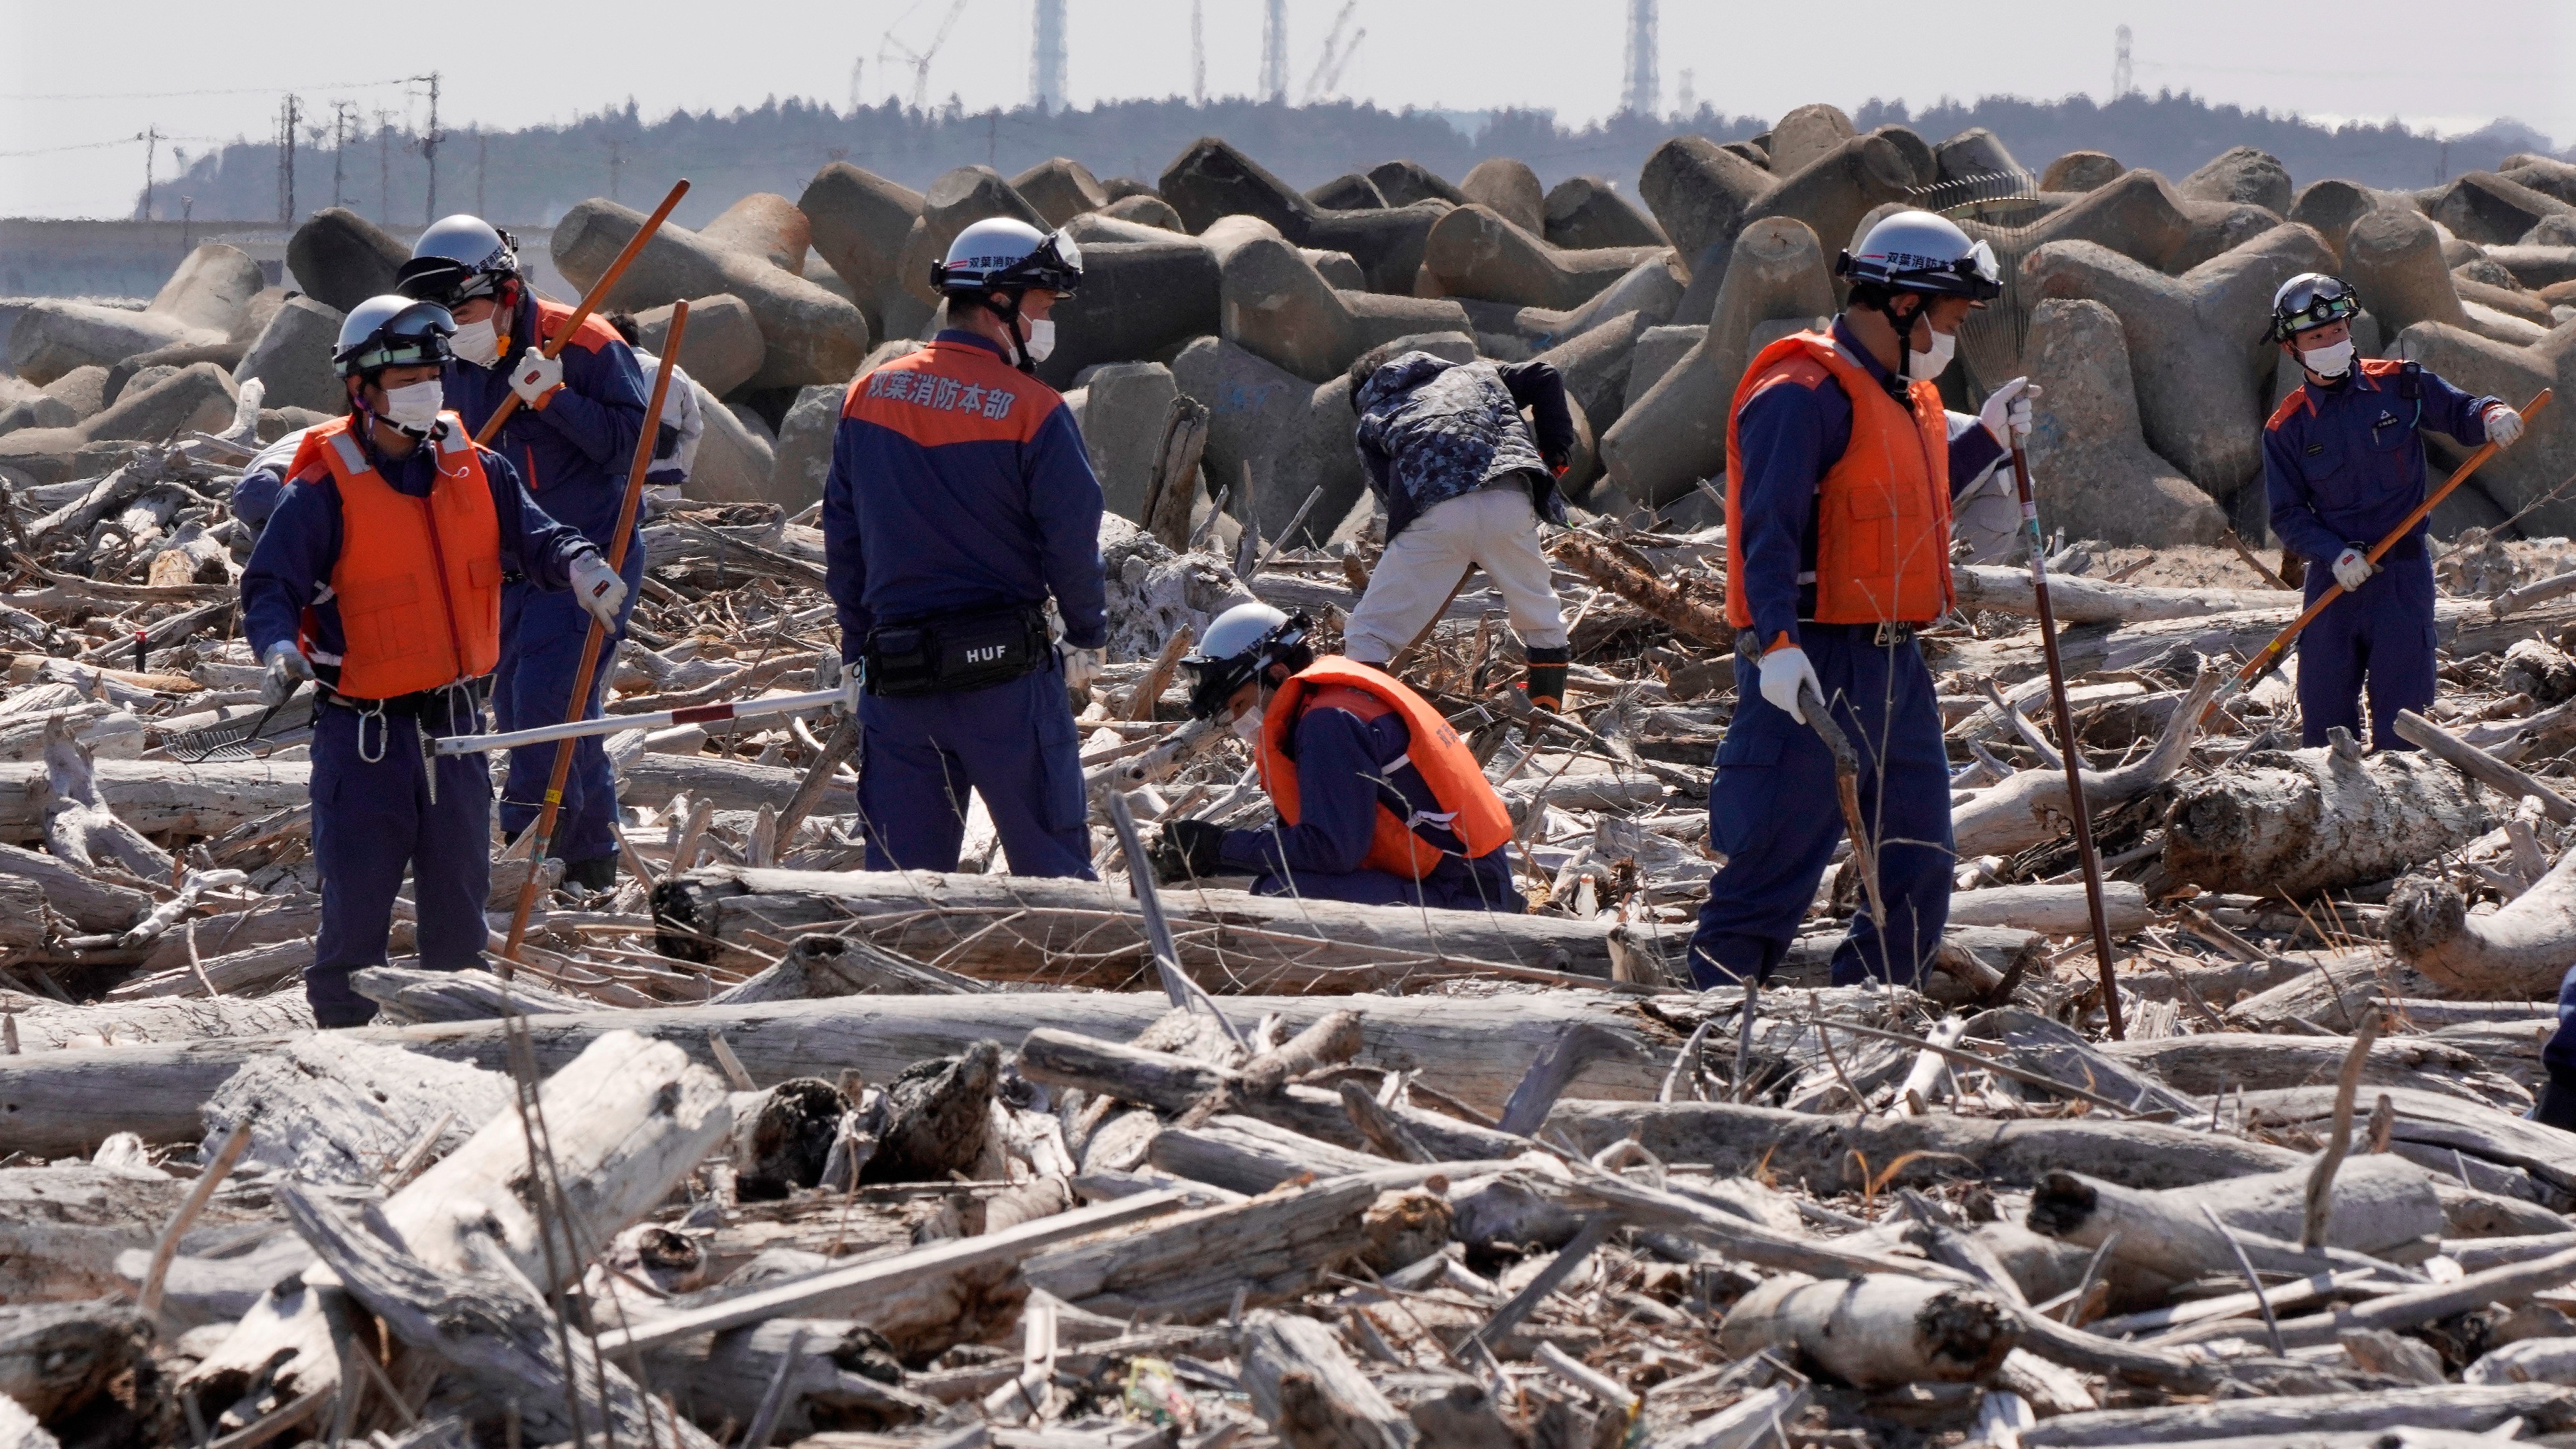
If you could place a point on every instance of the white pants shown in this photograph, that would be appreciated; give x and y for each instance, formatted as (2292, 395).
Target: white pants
(1495, 529)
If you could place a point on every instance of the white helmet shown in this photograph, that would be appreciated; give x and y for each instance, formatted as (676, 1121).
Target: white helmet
(391, 331)
(999, 254)
(1917, 251)
(458, 258)
(1238, 647)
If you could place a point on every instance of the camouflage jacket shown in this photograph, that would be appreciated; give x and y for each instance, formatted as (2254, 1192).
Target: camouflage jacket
(1431, 430)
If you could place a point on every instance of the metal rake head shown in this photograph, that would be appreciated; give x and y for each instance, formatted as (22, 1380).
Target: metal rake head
(2001, 209)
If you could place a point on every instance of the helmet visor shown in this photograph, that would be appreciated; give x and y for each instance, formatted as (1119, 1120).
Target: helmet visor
(2313, 302)
(414, 337)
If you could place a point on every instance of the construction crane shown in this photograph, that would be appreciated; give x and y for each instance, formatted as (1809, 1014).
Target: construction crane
(918, 60)
(1327, 75)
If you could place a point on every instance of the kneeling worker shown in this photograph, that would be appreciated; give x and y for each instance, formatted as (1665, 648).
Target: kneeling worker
(1379, 801)
(380, 574)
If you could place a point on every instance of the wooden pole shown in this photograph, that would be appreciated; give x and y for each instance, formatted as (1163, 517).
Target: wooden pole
(2066, 743)
(2269, 657)
(598, 635)
(590, 301)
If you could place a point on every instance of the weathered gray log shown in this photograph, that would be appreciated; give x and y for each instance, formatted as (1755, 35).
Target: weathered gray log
(2429, 1129)
(79, 826)
(2460, 1408)
(2461, 627)
(56, 1357)
(1080, 933)
(2219, 1062)
(2383, 1207)
(2293, 823)
(1476, 1049)
(1310, 1393)
(828, 1379)
(2048, 910)
(88, 903)
(1250, 1156)
(1878, 1331)
(2022, 811)
(1189, 1268)
(159, 797)
(340, 1113)
(2482, 767)
(2520, 952)
(2078, 600)
(47, 1026)
(819, 965)
(410, 996)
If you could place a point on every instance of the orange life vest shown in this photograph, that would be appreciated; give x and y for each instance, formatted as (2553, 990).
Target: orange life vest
(1469, 808)
(1882, 509)
(418, 580)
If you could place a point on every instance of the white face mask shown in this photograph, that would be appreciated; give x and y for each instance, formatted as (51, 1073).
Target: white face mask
(2329, 361)
(1041, 338)
(414, 407)
(1925, 366)
(477, 342)
(1247, 725)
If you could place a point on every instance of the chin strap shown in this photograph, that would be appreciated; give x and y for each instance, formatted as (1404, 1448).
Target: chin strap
(1901, 377)
(1009, 312)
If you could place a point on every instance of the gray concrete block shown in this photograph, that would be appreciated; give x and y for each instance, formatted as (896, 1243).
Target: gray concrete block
(2241, 174)
(200, 397)
(84, 388)
(1587, 211)
(1595, 365)
(2200, 398)
(202, 304)
(2394, 260)
(1294, 436)
(1675, 434)
(1659, 350)
(1918, 153)
(37, 411)
(1974, 152)
(1350, 191)
(1123, 413)
(953, 203)
(811, 336)
(722, 349)
(1475, 251)
(2531, 474)
(2489, 210)
(1274, 303)
(2091, 469)
(2081, 171)
(1510, 189)
(1146, 210)
(2553, 231)
(1704, 195)
(1119, 188)
(735, 456)
(860, 222)
(292, 358)
(1700, 192)
(1514, 334)
(1805, 134)
(765, 225)
(1403, 183)
(340, 258)
(2535, 265)
(803, 457)
(1212, 179)
(1061, 189)
(2331, 207)
(1138, 300)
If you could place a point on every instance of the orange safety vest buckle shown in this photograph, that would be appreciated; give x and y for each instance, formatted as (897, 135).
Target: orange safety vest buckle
(418, 580)
(1469, 808)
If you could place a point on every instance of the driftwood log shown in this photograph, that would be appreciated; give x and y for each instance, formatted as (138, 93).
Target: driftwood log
(2382, 1206)
(2020, 812)
(2519, 953)
(2457, 1407)
(2296, 822)
(2461, 627)
(1876, 1331)
(1310, 1393)
(2075, 599)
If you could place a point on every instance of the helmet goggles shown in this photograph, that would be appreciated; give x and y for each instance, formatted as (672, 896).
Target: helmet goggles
(2314, 300)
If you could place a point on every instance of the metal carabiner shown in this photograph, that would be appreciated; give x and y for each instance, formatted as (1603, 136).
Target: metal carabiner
(384, 732)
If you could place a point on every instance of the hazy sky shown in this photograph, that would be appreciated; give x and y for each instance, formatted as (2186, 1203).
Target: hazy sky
(128, 64)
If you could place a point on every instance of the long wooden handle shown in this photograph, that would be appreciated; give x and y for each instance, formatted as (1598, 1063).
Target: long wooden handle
(590, 301)
(2269, 656)
(598, 635)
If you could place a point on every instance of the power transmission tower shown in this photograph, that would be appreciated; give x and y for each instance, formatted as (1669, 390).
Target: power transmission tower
(289, 113)
(858, 64)
(339, 145)
(1046, 64)
(2120, 82)
(151, 146)
(1687, 102)
(482, 147)
(616, 159)
(429, 149)
(1274, 51)
(1645, 87)
(384, 166)
(1198, 53)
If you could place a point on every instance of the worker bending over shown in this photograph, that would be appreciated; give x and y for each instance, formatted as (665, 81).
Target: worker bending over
(682, 423)
(1464, 480)
(960, 499)
(1379, 801)
(2343, 464)
(379, 574)
(572, 438)
(1839, 463)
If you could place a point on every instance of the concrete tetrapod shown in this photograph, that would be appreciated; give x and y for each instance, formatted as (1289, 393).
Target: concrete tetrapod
(2241, 174)
(1151, 211)
(860, 221)
(2490, 210)
(2393, 258)
(1349, 191)
(1510, 189)
(1586, 211)
(2331, 207)
(2545, 174)
(1659, 350)
(1138, 299)
(1516, 334)
(812, 336)
(1916, 151)
(201, 396)
(2523, 475)
(1595, 365)
(1275, 304)
(1703, 195)
(802, 458)
(954, 202)
(340, 258)
(293, 357)
(1124, 406)
(2091, 468)
(1295, 436)
(2081, 171)
(1478, 252)
(1211, 179)
(734, 463)
(2201, 398)
(723, 348)
(1061, 189)
(1676, 433)
(1975, 152)
(1403, 183)
(766, 225)
(1805, 134)
(202, 303)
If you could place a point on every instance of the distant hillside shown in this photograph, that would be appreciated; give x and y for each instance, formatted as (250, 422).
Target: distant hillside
(530, 177)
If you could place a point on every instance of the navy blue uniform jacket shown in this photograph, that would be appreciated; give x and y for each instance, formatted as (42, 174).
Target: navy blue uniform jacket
(2342, 464)
(575, 451)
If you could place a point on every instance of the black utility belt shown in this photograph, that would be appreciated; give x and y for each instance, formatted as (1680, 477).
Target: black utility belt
(430, 703)
(951, 656)
(1750, 641)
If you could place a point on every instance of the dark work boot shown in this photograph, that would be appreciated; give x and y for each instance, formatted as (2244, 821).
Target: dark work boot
(599, 873)
(1546, 680)
(334, 1004)
(2557, 1107)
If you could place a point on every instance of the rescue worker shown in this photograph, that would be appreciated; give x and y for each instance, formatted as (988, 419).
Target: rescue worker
(2343, 464)
(379, 574)
(959, 500)
(1464, 480)
(681, 424)
(1839, 469)
(572, 438)
(1379, 802)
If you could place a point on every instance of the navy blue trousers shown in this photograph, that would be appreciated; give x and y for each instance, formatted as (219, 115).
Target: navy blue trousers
(2381, 633)
(1485, 886)
(2558, 1094)
(372, 820)
(1013, 743)
(1774, 814)
(541, 636)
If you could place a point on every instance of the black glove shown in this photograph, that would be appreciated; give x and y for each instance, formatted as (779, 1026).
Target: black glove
(1187, 850)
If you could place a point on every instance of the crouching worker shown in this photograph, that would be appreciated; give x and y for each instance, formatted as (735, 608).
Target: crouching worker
(1380, 803)
(380, 574)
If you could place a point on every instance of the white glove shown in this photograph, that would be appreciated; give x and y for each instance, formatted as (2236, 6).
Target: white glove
(287, 668)
(597, 588)
(2007, 410)
(1784, 671)
(1081, 666)
(536, 378)
(2352, 570)
(2503, 425)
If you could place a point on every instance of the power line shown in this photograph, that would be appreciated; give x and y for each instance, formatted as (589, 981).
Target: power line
(236, 91)
(101, 145)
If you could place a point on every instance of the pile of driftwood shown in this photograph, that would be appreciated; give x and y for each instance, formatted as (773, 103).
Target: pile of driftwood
(760, 1147)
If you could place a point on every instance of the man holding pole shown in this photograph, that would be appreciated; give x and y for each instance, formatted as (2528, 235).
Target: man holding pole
(1839, 464)
(2343, 466)
(571, 430)
(379, 575)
